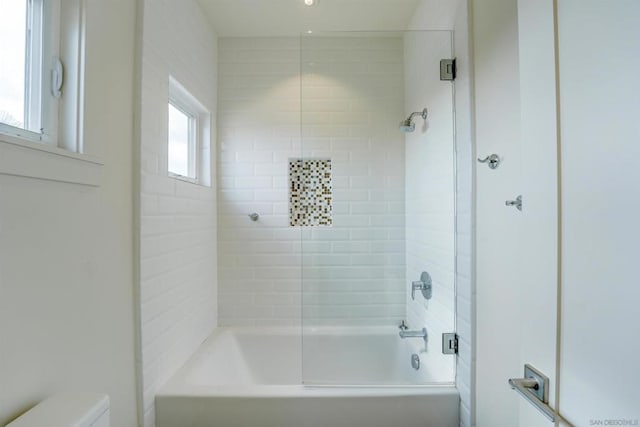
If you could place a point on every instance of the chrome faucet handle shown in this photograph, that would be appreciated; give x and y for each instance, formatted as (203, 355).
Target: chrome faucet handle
(417, 285)
(424, 285)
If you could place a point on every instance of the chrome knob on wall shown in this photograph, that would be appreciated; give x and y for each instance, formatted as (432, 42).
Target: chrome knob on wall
(517, 203)
(415, 361)
(493, 161)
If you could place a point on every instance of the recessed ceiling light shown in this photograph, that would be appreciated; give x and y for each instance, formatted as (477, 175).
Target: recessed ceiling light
(310, 2)
(309, 32)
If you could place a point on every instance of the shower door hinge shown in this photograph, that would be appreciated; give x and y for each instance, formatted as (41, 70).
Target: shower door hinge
(448, 69)
(450, 343)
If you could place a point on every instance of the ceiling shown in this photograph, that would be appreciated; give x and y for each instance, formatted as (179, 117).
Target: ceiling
(274, 18)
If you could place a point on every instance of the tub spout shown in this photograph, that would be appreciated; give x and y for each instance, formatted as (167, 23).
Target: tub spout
(414, 334)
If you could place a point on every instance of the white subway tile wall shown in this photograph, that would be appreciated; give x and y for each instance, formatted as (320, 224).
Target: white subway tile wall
(430, 198)
(352, 101)
(352, 90)
(465, 288)
(258, 132)
(178, 295)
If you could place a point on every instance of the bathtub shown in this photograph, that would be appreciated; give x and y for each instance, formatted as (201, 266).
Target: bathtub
(243, 377)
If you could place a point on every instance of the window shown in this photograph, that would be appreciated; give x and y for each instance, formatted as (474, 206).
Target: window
(32, 43)
(188, 136)
(21, 66)
(182, 143)
(42, 66)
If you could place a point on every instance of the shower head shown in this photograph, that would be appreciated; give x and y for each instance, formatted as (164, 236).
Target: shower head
(407, 125)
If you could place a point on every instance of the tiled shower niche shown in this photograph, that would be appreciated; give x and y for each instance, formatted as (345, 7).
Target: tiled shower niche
(310, 195)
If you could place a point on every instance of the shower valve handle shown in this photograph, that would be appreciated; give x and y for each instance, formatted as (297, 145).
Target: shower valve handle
(417, 286)
(424, 285)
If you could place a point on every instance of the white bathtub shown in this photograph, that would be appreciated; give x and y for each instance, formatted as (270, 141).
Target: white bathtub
(243, 377)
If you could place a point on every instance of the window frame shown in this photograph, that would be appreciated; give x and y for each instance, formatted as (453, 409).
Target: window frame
(199, 134)
(34, 84)
(57, 152)
(192, 143)
(60, 43)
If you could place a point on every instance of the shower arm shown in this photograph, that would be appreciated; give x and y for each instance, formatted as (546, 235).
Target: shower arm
(422, 113)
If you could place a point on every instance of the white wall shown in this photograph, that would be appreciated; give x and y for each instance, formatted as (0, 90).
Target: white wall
(497, 130)
(352, 91)
(178, 273)
(66, 250)
(538, 266)
(600, 174)
(435, 15)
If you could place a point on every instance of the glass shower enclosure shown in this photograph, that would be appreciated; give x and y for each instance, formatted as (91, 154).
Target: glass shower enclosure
(373, 193)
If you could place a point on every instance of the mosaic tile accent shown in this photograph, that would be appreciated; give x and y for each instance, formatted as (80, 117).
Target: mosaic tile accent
(310, 195)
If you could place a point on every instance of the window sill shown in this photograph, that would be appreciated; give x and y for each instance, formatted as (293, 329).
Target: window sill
(19, 157)
(183, 178)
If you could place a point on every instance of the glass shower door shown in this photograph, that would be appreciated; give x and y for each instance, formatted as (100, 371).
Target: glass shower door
(375, 204)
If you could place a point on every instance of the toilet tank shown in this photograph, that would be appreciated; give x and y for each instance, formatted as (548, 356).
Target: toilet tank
(67, 410)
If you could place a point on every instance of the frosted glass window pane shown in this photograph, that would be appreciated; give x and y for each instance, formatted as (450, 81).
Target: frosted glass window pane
(178, 142)
(13, 27)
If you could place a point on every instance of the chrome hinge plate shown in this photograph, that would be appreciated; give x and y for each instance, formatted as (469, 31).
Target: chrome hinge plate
(450, 343)
(448, 69)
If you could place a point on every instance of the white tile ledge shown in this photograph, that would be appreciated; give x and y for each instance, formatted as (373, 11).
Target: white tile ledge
(24, 158)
